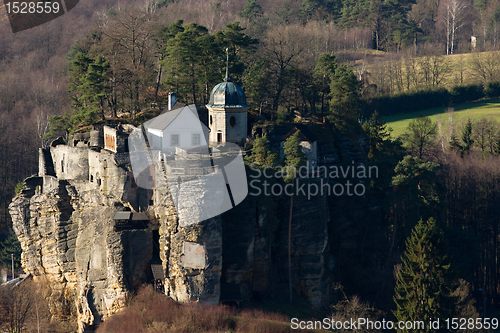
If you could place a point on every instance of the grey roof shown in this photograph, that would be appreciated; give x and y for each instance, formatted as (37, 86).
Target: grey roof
(122, 215)
(139, 217)
(227, 94)
(130, 216)
(176, 106)
(165, 119)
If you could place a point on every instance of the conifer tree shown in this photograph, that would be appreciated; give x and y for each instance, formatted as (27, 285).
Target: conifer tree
(467, 137)
(424, 283)
(322, 74)
(256, 79)
(454, 144)
(377, 132)
(345, 101)
(261, 154)
(467, 141)
(182, 62)
(294, 156)
(496, 147)
(10, 246)
(240, 46)
(251, 11)
(89, 91)
(94, 90)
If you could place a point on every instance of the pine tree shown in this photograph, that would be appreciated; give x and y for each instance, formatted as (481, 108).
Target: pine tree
(294, 156)
(8, 247)
(89, 91)
(345, 101)
(240, 46)
(467, 137)
(377, 132)
(322, 74)
(182, 63)
(424, 283)
(93, 91)
(251, 11)
(261, 154)
(256, 79)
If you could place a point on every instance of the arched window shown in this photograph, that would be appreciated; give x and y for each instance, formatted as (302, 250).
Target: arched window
(232, 121)
(211, 120)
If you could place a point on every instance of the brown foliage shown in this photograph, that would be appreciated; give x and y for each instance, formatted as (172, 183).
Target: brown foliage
(150, 312)
(33, 84)
(25, 307)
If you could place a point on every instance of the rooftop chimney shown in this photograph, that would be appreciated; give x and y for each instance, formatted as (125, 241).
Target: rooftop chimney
(172, 99)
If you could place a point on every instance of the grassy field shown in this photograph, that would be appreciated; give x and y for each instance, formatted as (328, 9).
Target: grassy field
(462, 112)
(395, 73)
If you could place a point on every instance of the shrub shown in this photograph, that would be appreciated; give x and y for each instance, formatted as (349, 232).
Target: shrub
(407, 102)
(467, 93)
(151, 312)
(256, 321)
(492, 89)
(19, 187)
(284, 115)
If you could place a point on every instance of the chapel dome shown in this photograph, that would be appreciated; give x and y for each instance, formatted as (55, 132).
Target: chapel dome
(227, 94)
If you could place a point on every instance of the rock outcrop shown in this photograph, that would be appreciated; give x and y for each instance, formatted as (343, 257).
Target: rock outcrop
(256, 253)
(64, 219)
(66, 232)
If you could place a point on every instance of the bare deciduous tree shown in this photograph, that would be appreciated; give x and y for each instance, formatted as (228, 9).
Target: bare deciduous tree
(485, 66)
(25, 305)
(282, 48)
(453, 15)
(128, 45)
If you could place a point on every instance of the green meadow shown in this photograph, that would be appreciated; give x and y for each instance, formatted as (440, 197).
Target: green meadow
(454, 115)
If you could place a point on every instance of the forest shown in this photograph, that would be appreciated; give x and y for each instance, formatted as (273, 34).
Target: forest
(343, 63)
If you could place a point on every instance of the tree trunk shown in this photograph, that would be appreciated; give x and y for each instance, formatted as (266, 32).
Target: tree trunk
(158, 81)
(290, 244)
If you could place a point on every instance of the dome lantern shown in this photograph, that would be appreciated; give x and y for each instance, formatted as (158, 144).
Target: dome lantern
(227, 111)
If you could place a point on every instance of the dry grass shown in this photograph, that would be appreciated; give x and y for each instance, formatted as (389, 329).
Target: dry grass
(151, 312)
(389, 71)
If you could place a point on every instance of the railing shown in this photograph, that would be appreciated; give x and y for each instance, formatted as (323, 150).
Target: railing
(191, 171)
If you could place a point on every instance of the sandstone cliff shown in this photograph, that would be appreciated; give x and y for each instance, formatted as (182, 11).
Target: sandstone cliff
(64, 219)
(65, 224)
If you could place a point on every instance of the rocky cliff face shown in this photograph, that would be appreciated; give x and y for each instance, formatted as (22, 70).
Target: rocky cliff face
(189, 275)
(256, 258)
(66, 228)
(64, 221)
(66, 233)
